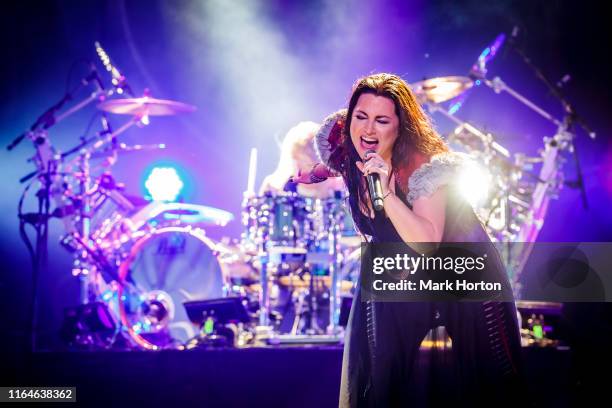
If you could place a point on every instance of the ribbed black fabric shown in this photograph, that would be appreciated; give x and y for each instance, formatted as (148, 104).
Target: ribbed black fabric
(380, 364)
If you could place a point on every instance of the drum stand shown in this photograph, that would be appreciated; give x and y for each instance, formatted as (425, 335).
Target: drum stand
(334, 332)
(264, 330)
(334, 328)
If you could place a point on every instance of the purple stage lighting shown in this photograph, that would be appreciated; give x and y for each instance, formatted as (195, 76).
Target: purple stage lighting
(164, 184)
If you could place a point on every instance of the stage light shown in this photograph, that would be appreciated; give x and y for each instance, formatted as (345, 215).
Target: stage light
(164, 184)
(474, 183)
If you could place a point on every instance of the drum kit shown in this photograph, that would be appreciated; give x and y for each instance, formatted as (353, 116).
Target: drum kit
(152, 263)
(519, 187)
(146, 260)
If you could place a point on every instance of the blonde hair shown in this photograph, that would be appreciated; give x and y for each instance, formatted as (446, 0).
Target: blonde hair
(297, 145)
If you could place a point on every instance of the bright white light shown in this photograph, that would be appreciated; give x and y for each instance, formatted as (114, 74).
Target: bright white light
(474, 184)
(164, 184)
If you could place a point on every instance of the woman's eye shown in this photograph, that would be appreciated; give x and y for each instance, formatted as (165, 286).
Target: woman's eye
(383, 122)
(361, 117)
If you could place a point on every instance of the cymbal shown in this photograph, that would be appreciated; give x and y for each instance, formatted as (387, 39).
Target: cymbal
(301, 282)
(295, 282)
(196, 214)
(187, 213)
(145, 106)
(441, 89)
(123, 148)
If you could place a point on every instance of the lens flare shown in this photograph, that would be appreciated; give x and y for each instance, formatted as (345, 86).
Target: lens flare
(474, 184)
(164, 184)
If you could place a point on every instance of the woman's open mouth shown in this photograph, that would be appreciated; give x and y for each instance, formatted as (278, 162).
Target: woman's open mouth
(368, 143)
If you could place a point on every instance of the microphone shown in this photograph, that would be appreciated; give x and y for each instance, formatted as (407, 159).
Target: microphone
(375, 187)
(118, 80)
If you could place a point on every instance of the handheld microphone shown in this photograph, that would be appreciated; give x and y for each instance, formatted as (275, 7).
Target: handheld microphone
(375, 188)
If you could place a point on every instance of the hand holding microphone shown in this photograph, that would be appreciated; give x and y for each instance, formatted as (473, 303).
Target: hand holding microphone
(377, 174)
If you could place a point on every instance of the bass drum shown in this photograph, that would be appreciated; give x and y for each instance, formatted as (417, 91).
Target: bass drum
(164, 268)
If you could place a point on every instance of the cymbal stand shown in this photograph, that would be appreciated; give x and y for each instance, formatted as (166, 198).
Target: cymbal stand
(48, 165)
(264, 218)
(82, 262)
(337, 216)
(498, 86)
(486, 138)
(550, 178)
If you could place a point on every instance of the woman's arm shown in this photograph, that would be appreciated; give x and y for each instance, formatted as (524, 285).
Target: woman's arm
(424, 223)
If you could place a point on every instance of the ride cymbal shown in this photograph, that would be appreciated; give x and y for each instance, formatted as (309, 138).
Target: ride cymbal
(441, 89)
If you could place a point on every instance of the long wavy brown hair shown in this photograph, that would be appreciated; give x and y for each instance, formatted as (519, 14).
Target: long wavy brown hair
(417, 139)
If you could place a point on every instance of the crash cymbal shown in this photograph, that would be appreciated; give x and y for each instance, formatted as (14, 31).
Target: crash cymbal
(441, 89)
(145, 106)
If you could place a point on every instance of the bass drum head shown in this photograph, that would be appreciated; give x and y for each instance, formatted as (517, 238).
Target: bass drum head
(165, 268)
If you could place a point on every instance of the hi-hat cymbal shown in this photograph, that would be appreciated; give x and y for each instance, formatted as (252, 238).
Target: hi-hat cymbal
(441, 89)
(145, 106)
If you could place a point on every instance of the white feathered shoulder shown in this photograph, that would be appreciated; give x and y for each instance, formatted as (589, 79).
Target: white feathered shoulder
(443, 169)
(329, 136)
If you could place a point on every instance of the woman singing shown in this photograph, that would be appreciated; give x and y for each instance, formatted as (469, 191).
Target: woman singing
(386, 132)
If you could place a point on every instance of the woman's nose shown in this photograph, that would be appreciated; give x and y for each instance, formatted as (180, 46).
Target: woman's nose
(370, 128)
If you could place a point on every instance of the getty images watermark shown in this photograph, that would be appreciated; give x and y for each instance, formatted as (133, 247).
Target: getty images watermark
(477, 272)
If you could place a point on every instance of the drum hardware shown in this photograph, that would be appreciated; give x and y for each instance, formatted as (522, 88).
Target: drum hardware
(550, 177)
(222, 323)
(298, 236)
(276, 227)
(264, 327)
(306, 307)
(89, 326)
(96, 214)
(48, 169)
(516, 208)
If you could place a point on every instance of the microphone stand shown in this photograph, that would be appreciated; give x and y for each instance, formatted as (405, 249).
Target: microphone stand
(40, 222)
(568, 125)
(48, 118)
(47, 162)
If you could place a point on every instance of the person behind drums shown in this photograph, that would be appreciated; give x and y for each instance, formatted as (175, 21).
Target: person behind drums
(385, 131)
(297, 155)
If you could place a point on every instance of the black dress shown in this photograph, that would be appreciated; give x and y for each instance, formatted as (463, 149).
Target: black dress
(383, 338)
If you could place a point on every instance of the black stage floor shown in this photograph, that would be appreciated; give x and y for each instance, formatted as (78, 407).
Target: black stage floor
(271, 377)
